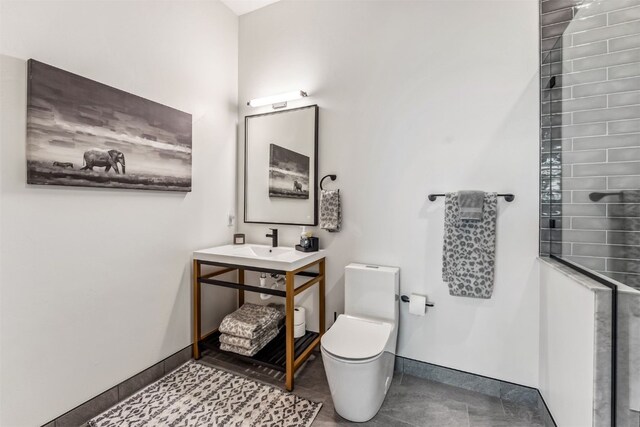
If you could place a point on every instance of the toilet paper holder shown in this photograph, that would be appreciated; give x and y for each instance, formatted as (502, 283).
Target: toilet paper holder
(405, 298)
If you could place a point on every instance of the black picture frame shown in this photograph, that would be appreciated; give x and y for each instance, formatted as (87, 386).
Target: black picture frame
(313, 177)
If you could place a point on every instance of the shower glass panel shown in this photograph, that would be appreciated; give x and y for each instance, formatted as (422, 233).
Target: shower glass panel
(591, 140)
(590, 171)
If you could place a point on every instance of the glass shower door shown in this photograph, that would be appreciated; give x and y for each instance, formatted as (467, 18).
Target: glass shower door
(590, 174)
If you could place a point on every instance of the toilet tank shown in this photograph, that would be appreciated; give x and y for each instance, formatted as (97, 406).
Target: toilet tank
(372, 291)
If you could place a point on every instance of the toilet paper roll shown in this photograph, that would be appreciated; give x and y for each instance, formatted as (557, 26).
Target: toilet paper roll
(417, 304)
(299, 330)
(299, 315)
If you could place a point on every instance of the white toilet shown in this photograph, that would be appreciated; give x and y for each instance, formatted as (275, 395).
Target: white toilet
(359, 350)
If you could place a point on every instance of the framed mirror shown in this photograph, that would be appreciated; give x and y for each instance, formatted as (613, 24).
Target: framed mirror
(281, 167)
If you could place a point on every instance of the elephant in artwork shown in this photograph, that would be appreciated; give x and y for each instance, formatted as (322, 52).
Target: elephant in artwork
(107, 158)
(297, 186)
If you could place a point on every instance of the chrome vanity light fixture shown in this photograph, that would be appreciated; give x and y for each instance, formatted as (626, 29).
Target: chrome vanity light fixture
(277, 101)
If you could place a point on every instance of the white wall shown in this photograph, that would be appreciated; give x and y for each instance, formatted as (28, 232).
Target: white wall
(95, 283)
(417, 97)
(567, 365)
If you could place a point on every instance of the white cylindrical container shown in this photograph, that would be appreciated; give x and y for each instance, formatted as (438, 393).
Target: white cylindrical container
(299, 330)
(299, 322)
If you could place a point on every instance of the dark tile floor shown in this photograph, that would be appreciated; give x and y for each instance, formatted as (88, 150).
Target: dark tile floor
(411, 401)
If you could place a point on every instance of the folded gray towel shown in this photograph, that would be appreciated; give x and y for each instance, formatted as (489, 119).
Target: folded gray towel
(471, 204)
(330, 210)
(251, 351)
(468, 254)
(251, 320)
(249, 343)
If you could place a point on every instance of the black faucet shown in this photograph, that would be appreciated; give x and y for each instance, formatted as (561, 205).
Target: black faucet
(274, 237)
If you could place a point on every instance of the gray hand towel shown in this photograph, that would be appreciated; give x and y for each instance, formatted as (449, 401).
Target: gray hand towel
(330, 210)
(251, 320)
(250, 351)
(471, 205)
(246, 342)
(468, 254)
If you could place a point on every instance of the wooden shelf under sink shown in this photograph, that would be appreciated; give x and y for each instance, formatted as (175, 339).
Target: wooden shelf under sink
(273, 355)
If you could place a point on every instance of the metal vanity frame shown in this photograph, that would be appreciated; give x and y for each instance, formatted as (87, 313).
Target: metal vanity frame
(296, 351)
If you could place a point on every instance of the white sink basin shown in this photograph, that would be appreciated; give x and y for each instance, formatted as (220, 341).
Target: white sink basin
(261, 256)
(256, 251)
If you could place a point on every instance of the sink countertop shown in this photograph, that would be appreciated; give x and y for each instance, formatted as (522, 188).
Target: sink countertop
(280, 258)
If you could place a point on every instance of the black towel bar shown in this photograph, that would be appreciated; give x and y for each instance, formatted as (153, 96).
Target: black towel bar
(507, 196)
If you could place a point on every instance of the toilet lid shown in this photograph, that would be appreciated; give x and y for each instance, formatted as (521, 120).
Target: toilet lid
(355, 338)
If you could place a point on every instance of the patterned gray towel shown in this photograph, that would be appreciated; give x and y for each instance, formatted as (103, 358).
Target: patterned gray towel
(271, 330)
(251, 351)
(250, 320)
(330, 210)
(468, 254)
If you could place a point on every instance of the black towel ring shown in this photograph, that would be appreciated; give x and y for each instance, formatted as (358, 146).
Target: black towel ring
(332, 177)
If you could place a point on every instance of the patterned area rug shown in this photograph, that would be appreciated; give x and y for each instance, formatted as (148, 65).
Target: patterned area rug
(198, 395)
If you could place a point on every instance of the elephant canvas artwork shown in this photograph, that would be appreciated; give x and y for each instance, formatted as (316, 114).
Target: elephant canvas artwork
(84, 133)
(288, 173)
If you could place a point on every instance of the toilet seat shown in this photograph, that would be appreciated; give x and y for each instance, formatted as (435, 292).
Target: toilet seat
(344, 361)
(356, 340)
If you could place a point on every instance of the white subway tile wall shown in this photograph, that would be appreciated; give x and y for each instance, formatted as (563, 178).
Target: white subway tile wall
(590, 134)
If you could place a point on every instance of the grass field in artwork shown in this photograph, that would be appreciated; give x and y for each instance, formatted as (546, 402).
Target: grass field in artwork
(47, 174)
